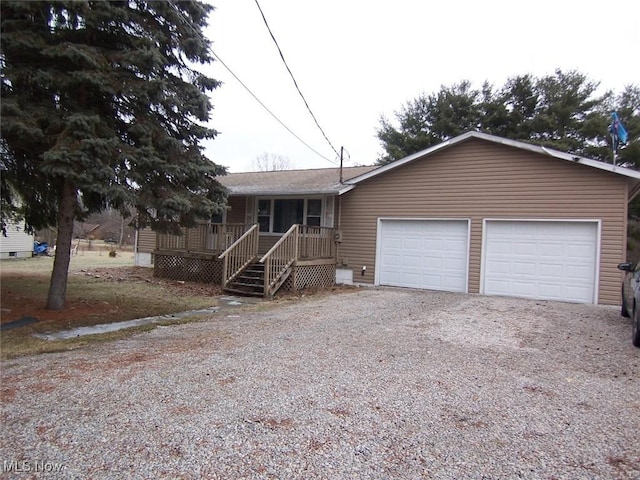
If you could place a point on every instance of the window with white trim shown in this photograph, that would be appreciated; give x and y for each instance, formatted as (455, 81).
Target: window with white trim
(313, 212)
(277, 215)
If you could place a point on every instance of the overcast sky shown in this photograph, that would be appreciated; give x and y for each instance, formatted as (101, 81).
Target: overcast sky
(355, 60)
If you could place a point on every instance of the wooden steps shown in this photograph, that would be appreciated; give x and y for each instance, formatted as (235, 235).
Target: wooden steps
(250, 282)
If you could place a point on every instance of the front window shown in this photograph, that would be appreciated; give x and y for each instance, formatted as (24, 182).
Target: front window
(279, 214)
(286, 213)
(314, 212)
(217, 217)
(264, 215)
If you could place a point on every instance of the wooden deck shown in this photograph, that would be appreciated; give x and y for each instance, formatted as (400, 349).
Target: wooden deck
(303, 257)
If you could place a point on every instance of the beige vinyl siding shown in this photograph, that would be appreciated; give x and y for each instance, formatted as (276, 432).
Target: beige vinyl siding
(477, 180)
(266, 241)
(236, 211)
(146, 240)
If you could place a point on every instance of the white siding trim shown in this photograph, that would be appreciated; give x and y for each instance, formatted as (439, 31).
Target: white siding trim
(598, 222)
(328, 208)
(376, 280)
(251, 206)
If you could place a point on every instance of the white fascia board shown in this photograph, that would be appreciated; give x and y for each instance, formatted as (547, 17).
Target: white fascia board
(627, 172)
(345, 189)
(280, 193)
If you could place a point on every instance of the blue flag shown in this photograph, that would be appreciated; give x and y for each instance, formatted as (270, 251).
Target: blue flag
(617, 129)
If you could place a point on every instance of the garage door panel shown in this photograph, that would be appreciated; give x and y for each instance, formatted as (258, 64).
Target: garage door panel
(432, 263)
(452, 283)
(523, 248)
(578, 272)
(541, 259)
(551, 270)
(457, 264)
(430, 254)
(501, 267)
(411, 243)
(395, 228)
(580, 251)
(523, 268)
(548, 249)
(577, 230)
(411, 261)
(390, 259)
(432, 244)
(503, 247)
(575, 294)
(430, 279)
(553, 292)
(391, 277)
(500, 287)
(454, 247)
(523, 288)
(412, 279)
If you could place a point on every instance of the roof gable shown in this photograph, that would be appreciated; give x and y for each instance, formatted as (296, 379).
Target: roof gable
(632, 175)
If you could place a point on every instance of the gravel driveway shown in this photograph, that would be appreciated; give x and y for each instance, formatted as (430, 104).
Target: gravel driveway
(374, 384)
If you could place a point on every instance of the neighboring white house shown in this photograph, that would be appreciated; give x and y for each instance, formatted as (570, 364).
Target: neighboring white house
(17, 243)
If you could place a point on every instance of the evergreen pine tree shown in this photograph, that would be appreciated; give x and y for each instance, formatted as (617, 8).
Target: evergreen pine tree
(560, 111)
(102, 108)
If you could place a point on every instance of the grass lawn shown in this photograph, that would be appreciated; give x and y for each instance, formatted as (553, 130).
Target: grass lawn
(101, 289)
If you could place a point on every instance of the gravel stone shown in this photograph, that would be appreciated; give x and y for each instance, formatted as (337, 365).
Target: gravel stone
(379, 383)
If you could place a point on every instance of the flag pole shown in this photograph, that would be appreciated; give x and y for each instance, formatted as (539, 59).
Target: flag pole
(612, 131)
(619, 134)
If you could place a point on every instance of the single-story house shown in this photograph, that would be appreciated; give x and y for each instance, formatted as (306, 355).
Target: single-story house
(18, 243)
(477, 214)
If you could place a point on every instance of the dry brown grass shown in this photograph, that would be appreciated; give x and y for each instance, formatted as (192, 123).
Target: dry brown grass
(101, 289)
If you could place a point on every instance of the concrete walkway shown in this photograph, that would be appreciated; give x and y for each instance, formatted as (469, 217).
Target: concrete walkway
(224, 303)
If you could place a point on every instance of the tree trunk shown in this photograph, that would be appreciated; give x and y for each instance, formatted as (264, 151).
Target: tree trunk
(121, 231)
(60, 273)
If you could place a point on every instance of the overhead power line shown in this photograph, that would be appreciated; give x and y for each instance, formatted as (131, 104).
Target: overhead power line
(253, 95)
(294, 80)
(268, 110)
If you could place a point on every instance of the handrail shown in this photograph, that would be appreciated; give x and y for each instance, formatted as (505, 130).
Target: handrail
(240, 254)
(278, 260)
(238, 241)
(277, 244)
(300, 242)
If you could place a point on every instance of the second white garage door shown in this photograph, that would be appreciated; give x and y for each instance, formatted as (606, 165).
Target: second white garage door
(429, 254)
(541, 259)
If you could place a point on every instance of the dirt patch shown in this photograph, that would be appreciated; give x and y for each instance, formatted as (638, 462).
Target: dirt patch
(16, 305)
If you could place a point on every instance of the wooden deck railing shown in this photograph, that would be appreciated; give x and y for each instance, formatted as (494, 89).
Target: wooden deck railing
(301, 242)
(316, 242)
(203, 238)
(240, 254)
(278, 260)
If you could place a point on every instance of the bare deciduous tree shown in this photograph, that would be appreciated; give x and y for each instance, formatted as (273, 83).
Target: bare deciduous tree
(271, 162)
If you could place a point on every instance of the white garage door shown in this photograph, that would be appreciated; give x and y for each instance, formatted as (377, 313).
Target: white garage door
(430, 254)
(544, 260)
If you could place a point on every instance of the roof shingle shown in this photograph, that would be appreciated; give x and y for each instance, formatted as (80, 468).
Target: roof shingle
(322, 181)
